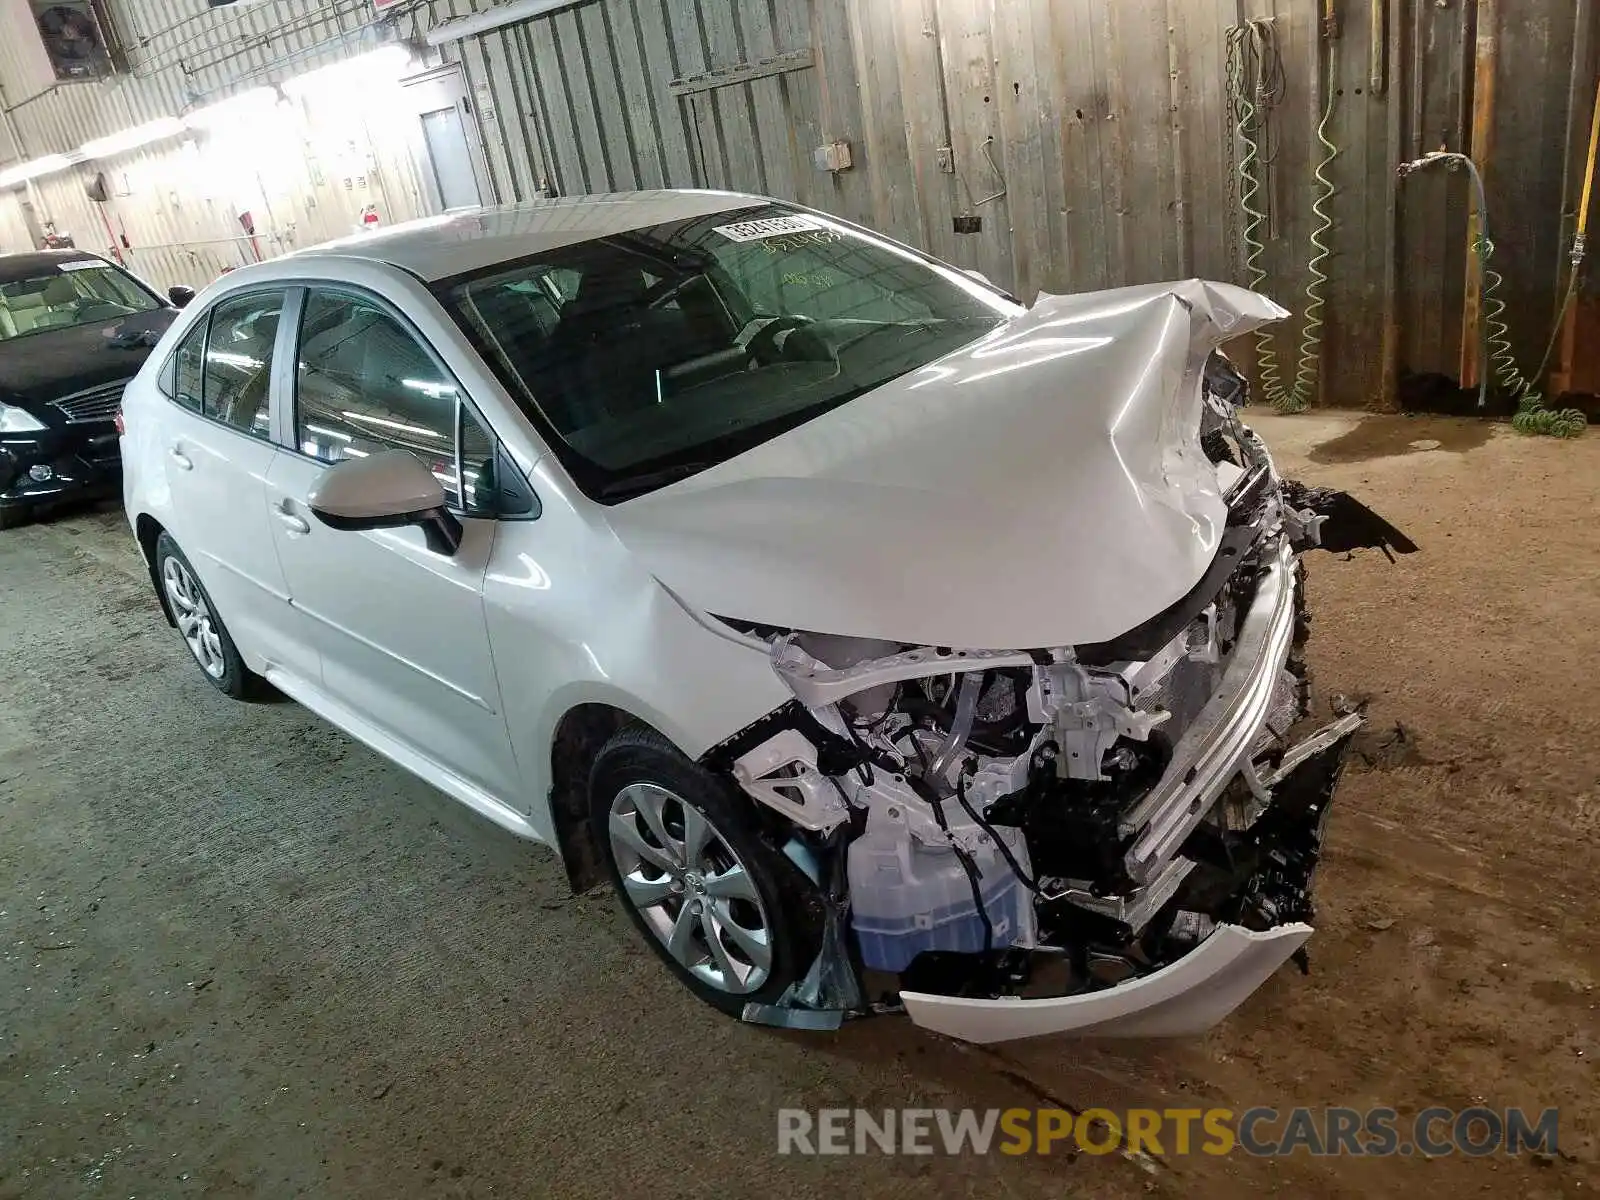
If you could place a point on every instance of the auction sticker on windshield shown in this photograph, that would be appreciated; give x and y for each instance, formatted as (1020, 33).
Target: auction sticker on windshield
(80, 264)
(769, 227)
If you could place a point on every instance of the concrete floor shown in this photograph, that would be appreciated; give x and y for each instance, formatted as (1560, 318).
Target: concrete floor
(241, 955)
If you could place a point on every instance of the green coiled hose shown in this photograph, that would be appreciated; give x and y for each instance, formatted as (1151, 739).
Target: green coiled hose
(1498, 358)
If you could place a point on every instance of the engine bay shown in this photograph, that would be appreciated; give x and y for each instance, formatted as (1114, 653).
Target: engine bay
(995, 825)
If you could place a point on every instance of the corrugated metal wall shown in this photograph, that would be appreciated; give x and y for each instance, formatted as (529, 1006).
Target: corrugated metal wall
(182, 55)
(1091, 136)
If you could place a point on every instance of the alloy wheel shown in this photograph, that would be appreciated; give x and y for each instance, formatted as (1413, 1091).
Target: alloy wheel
(193, 615)
(692, 890)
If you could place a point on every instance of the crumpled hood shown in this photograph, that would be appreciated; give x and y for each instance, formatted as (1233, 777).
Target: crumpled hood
(1043, 486)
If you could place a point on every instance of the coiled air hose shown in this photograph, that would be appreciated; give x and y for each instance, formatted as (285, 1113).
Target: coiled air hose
(1254, 68)
(1496, 356)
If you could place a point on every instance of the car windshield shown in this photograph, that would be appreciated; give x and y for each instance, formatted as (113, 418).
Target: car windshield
(69, 296)
(653, 354)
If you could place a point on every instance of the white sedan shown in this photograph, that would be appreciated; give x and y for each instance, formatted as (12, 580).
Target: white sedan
(884, 643)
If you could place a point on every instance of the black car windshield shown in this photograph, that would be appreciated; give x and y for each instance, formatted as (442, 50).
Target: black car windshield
(653, 354)
(69, 296)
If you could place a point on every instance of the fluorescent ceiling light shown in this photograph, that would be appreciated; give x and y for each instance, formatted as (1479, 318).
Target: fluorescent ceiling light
(132, 139)
(23, 172)
(493, 18)
(383, 65)
(256, 101)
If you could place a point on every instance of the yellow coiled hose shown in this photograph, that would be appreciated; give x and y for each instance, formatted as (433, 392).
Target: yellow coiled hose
(1252, 42)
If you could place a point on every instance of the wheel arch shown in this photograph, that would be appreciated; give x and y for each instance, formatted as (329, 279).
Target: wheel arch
(147, 531)
(580, 733)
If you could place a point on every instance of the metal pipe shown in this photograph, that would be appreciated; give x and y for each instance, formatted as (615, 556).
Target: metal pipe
(493, 18)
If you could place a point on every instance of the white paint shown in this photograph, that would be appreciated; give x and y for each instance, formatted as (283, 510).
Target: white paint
(1181, 1000)
(1043, 487)
(1040, 487)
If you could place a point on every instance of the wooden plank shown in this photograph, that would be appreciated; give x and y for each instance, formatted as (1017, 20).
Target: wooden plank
(514, 110)
(1433, 204)
(648, 152)
(1394, 139)
(659, 63)
(1120, 242)
(1182, 99)
(927, 128)
(1526, 195)
(1379, 186)
(469, 53)
(1077, 27)
(566, 157)
(609, 86)
(593, 106)
(1580, 175)
(886, 151)
(744, 72)
(686, 29)
(1206, 168)
(971, 90)
(1025, 110)
(797, 95)
(735, 114)
(1485, 64)
(839, 111)
(775, 137)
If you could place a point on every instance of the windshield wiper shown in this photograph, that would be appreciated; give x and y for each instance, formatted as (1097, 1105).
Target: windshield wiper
(649, 481)
(906, 328)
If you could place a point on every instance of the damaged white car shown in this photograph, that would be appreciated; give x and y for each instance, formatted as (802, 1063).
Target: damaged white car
(887, 645)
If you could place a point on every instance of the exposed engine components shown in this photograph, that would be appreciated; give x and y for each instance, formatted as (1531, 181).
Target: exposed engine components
(1074, 820)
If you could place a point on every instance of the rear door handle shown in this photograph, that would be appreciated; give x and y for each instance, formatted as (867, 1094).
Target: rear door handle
(291, 522)
(185, 463)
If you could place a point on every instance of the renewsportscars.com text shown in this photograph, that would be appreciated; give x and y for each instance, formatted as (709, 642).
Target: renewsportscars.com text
(1263, 1132)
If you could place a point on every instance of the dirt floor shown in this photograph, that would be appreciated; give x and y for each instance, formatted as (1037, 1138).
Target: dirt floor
(242, 956)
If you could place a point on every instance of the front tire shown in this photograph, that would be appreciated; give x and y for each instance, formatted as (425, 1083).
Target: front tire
(710, 891)
(199, 623)
(14, 516)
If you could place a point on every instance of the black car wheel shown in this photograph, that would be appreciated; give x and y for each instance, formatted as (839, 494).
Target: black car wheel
(15, 515)
(712, 894)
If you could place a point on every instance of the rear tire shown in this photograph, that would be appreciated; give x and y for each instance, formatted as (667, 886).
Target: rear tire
(711, 893)
(199, 623)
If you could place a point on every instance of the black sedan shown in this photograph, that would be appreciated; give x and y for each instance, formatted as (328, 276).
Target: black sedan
(74, 328)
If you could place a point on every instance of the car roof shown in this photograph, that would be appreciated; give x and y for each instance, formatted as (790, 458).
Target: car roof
(34, 263)
(459, 243)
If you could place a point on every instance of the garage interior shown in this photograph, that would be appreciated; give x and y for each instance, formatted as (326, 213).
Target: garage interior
(241, 954)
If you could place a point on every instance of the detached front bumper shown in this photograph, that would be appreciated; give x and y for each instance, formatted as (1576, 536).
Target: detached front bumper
(81, 461)
(1266, 913)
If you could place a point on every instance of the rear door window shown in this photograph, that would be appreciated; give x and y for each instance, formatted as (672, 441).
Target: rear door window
(238, 362)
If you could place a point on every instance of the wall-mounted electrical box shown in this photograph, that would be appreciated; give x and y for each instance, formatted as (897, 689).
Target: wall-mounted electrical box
(835, 156)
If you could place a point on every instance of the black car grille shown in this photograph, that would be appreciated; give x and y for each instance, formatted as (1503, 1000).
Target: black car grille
(95, 404)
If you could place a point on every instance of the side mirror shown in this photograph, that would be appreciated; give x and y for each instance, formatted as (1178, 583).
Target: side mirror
(388, 490)
(180, 295)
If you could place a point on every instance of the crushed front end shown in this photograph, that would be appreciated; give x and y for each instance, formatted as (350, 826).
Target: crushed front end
(1117, 838)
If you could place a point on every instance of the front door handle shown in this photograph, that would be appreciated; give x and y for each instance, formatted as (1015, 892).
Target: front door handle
(185, 463)
(291, 522)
